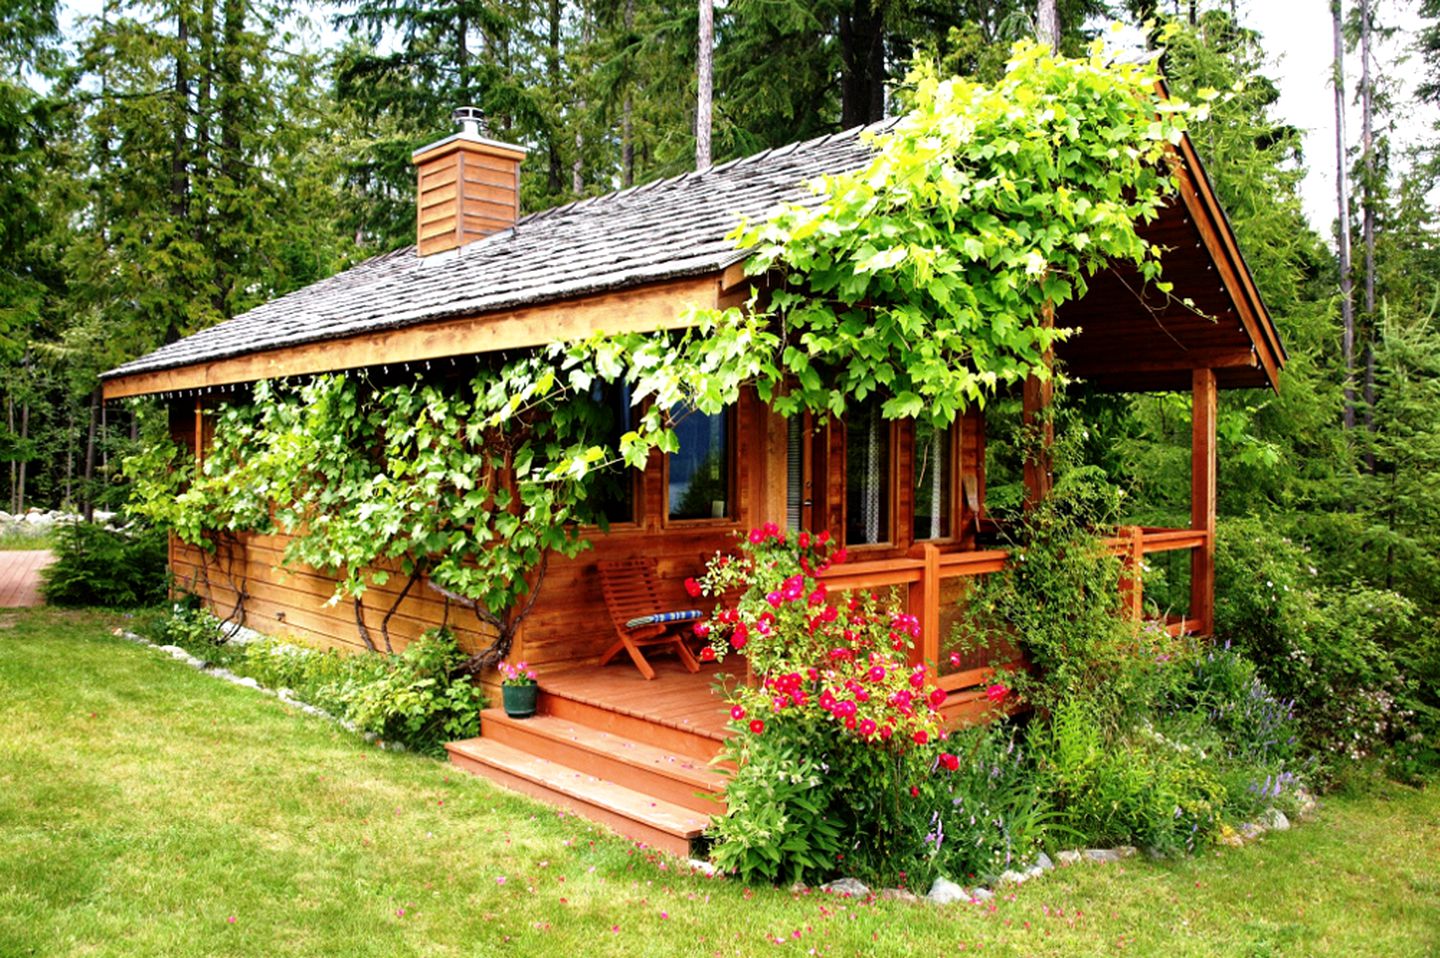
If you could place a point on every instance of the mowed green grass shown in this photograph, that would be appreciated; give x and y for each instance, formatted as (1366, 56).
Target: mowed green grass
(147, 809)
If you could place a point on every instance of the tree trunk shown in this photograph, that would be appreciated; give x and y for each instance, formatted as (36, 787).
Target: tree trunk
(705, 75)
(1047, 23)
(1342, 198)
(69, 456)
(552, 76)
(88, 507)
(180, 111)
(627, 129)
(862, 52)
(1367, 146)
(14, 463)
(25, 459)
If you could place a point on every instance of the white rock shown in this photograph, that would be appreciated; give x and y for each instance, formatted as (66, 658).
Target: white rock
(1250, 831)
(1043, 862)
(1126, 851)
(1034, 871)
(898, 894)
(981, 894)
(1068, 857)
(849, 887)
(1274, 820)
(1012, 877)
(1102, 855)
(705, 868)
(946, 892)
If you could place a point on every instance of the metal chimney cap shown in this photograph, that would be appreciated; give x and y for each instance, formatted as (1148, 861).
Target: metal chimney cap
(470, 118)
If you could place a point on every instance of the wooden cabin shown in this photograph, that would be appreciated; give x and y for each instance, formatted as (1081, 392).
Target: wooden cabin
(908, 503)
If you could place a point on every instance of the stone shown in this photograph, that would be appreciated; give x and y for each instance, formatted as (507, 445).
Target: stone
(847, 887)
(1012, 877)
(981, 894)
(1034, 871)
(1104, 856)
(1305, 803)
(1043, 862)
(1068, 857)
(898, 894)
(1230, 838)
(1250, 831)
(946, 892)
(1126, 851)
(1274, 820)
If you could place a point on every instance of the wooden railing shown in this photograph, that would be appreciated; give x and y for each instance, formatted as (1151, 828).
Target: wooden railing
(924, 578)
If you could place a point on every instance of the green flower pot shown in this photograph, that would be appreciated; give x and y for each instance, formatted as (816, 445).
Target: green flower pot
(519, 700)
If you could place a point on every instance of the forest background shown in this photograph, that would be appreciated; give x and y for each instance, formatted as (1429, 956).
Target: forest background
(165, 165)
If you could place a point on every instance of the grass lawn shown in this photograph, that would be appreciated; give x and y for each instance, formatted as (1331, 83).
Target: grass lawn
(25, 541)
(147, 809)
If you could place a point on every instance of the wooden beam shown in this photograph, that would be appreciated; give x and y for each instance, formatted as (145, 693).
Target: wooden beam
(1037, 397)
(1230, 267)
(642, 309)
(1185, 362)
(1203, 463)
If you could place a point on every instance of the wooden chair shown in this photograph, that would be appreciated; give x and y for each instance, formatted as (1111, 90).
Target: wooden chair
(632, 592)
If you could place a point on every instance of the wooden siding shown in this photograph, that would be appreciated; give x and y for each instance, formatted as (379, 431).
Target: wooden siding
(569, 625)
(465, 192)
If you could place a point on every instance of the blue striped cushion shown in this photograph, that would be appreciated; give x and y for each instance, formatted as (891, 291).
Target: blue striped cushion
(660, 618)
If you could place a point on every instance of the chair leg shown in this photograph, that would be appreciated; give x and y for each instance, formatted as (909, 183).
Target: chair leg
(636, 656)
(687, 658)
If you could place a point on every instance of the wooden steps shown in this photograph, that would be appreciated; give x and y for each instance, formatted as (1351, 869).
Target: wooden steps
(647, 776)
(652, 821)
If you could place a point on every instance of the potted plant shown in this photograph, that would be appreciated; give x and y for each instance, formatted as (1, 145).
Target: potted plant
(518, 689)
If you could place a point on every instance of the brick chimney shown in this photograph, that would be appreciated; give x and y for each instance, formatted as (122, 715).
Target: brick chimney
(467, 186)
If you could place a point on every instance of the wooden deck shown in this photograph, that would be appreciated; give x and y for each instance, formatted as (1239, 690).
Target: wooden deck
(20, 578)
(675, 699)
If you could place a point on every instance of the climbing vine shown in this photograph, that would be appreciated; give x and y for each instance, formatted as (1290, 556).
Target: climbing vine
(927, 276)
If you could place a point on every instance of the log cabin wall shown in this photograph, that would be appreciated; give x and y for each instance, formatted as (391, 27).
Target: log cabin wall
(569, 625)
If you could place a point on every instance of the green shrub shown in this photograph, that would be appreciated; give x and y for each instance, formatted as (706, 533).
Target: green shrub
(1352, 659)
(416, 698)
(102, 567)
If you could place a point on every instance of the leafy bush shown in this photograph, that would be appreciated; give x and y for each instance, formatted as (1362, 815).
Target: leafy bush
(418, 698)
(1352, 659)
(988, 816)
(839, 741)
(105, 567)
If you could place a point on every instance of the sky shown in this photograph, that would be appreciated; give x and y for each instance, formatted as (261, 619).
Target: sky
(1298, 39)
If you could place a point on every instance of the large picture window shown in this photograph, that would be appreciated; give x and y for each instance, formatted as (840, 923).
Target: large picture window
(867, 474)
(700, 470)
(934, 481)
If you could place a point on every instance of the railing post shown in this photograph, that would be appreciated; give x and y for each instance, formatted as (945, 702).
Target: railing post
(1132, 586)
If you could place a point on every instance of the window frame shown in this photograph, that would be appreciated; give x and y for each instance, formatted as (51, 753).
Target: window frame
(891, 505)
(732, 483)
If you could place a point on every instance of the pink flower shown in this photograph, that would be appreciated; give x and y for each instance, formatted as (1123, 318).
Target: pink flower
(739, 640)
(774, 598)
(921, 737)
(867, 728)
(876, 673)
(917, 679)
(937, 698)
(737, 713)
(756, 537)
(701, 629)
(692, 588)
(996, 692)
(886, 731)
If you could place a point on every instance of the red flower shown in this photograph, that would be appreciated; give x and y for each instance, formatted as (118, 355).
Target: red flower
(886, 731)
(914, 791)
(867, 728)
(804, 540)
(937, 698)
(949, 762)
(757, 726)
(756, 537)
(707, 654)
(824, 536)
(739, 641)
(839, 557)
(701, 629)
(921, 737)
(996, 692)
(693, 588)
(737, 713)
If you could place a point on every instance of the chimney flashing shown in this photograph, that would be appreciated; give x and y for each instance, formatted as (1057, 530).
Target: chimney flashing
(473, 139)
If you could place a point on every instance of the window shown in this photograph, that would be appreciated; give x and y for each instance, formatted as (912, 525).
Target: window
(613, 496)
(934, 481)
(867, 474)
(794, 472)
(700, 470)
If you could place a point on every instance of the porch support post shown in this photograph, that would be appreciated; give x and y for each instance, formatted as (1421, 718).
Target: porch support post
(1132, 587)
(1037, 397)
(1202, 499)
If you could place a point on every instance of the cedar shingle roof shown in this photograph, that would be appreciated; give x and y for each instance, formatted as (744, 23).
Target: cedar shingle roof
(667, 229)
